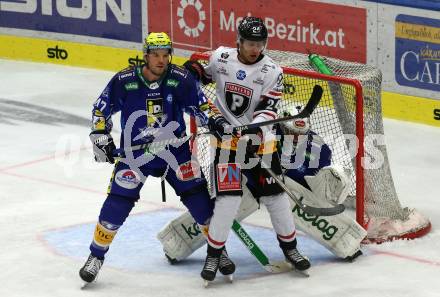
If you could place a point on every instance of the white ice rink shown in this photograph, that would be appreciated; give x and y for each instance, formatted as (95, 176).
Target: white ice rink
(51, 193)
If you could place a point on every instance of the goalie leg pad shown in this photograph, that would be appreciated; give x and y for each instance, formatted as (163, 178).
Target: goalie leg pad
(340, 234)
(181, 237)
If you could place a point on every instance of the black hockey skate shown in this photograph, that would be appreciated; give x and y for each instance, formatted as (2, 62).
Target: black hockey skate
(226, 266)
(212, 263)
(298, 261)
(210, 269)
(90, 270)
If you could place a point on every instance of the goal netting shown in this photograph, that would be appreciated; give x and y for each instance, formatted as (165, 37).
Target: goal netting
(349, 118)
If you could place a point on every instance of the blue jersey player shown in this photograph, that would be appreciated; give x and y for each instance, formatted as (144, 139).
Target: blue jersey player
(151, 99)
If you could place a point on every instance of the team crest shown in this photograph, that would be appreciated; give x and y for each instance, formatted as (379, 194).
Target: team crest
(238, 98)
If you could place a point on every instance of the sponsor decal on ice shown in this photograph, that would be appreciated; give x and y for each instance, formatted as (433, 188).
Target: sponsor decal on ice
(127, 179)
(417, 52)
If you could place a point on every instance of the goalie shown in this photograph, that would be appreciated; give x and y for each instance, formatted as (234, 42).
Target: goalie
(308, 172)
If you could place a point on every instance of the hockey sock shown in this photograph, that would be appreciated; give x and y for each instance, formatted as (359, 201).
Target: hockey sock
(113, 214)
(199, 204)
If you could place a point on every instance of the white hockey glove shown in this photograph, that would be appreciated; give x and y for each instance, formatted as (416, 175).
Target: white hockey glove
(331, 183)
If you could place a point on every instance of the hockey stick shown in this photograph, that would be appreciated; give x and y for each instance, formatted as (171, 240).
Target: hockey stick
(316, 211)
(315, 97)
(273, 267)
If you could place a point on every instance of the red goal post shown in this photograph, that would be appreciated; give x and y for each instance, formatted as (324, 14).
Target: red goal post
(350, 106)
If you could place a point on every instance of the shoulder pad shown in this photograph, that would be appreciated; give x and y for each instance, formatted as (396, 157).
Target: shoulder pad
(126, 73)
(177, 71)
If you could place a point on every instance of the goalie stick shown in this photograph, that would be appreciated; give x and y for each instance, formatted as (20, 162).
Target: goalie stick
(315, 97)
(273, 267)
(316, 211)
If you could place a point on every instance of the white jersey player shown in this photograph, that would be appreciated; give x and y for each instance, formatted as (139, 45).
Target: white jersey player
(248, 87)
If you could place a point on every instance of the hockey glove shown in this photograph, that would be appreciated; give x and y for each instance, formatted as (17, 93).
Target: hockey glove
(219, 126)
(252, 144)
(198, 71)
(103, 146)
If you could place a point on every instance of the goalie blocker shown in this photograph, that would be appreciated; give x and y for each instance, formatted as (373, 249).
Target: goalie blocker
(309, 175)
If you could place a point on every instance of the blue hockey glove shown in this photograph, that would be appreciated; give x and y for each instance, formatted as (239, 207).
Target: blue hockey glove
(103, 146)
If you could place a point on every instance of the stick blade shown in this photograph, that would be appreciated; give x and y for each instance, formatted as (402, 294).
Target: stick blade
(278, 267)
(315, 97)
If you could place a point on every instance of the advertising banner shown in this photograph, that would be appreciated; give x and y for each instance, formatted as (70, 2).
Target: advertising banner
(417, 59)
(301, 26)
(422, 4)
(111, 19)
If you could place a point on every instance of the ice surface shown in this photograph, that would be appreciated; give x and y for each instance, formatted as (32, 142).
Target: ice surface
(51, 193)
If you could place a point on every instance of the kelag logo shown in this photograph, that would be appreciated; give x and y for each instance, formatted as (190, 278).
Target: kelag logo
(112, 19)
(418, 52)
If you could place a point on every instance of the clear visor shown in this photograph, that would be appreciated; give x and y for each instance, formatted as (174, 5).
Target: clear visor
(253, 45)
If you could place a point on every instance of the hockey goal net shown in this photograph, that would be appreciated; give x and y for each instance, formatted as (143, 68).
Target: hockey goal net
(349, 118)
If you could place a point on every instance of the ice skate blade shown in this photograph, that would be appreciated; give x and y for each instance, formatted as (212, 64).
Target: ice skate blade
(206, 283)
(303, 273)
(230, 278)
(86, 285)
